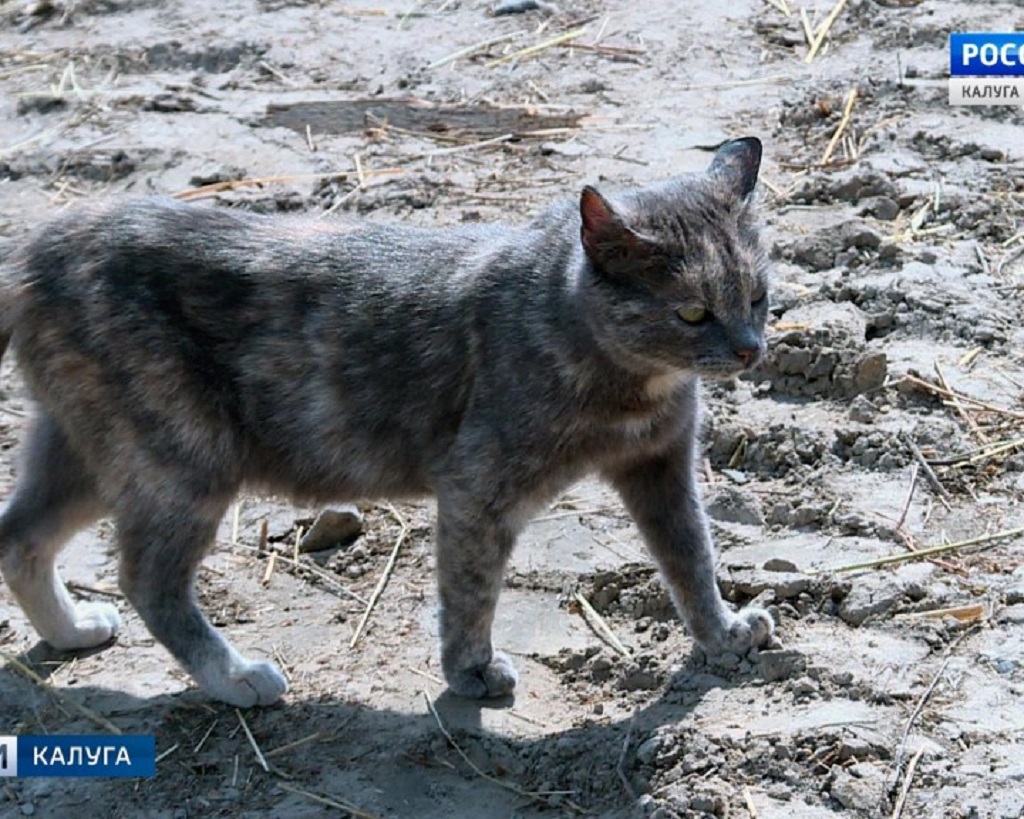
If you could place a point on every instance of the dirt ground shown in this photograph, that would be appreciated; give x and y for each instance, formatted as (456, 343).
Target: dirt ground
(896, 343)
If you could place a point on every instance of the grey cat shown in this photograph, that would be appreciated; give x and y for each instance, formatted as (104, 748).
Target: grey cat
(179, 353)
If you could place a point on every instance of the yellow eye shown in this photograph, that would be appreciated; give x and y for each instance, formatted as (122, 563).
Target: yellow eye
(692, 314)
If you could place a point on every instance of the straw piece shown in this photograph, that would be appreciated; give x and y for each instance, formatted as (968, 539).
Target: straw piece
(965, 614)
(819, 37)
(598, 624)
(985, 540)
(468, 50)
(534, 49)
(383, 582)
(252, 741)
(88, 713)
(847, 110)
(330, 801)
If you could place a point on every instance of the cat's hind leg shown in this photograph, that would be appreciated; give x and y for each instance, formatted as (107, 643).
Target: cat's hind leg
(163, 539)
(55, 496)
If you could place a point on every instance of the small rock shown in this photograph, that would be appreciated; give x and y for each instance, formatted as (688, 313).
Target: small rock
(220, 172)
(42, 103)
(729, 504)
(870, 371)
(332, 528)
(781, 664)
(28, 809)
(859, 235)
(737, 477)
(842, 678)
(882, 208)
(1012, 614)
(862, 410)
(854, 748)
(778, 564)
(647, 751)
(520, 6)
(646, 804)
(804, 687)
(638, 679)
(871, 596)
(861, 787)
(752, 582)
(567, 149)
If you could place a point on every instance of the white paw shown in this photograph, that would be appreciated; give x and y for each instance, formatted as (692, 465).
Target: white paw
(749, 628)
(94, 624)
(246, 684)
(495, 679)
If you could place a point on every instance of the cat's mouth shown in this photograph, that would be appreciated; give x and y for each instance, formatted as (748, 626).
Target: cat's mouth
(724, 370)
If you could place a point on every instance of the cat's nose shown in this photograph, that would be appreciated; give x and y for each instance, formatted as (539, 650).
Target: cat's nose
(748, 355)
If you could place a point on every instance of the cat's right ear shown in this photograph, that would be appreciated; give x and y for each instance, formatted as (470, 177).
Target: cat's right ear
(609, 243)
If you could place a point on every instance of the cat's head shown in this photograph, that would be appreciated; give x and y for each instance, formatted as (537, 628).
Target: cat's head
(676, 274)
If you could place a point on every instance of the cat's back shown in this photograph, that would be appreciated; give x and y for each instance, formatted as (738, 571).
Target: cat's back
(155, 234)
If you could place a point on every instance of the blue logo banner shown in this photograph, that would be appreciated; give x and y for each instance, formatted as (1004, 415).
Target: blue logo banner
(61, 755)
(986, 54)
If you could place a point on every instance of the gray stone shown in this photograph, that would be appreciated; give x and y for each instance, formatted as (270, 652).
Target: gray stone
(862, 411)
(859, 748)
(780, 664)
(332, 528)
(860, 787)
(871, 596)
(882, 208)
(730, 504)
(778, 564)
(647, 751)
(752, 582)
(804, 687)
(1012, 614)
(870, 371)
(860, 235)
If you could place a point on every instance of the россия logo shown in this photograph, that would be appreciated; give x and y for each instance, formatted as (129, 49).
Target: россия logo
(986, 68)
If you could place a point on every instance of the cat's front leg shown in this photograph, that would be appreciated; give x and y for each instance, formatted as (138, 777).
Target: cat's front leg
(473, 546)
(661, 494)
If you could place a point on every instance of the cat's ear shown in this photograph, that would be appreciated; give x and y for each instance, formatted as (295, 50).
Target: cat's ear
(736, 164)
(608, 241)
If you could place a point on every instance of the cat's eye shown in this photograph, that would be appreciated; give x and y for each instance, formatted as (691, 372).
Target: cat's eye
(692, 313)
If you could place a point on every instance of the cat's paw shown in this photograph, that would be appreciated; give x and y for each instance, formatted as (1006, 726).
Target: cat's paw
(749, 628)
(494, 679)
(94, 624)
(246, 684)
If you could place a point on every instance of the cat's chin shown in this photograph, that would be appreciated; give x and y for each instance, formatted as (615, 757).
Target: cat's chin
(724, 373)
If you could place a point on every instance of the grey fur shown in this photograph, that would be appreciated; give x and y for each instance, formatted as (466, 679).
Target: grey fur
(178, 353)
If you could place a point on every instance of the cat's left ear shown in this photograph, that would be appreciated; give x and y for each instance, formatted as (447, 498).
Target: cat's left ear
(607, 239)
(736, 164)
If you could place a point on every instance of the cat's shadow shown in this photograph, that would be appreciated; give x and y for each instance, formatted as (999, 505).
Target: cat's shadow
(595, 762)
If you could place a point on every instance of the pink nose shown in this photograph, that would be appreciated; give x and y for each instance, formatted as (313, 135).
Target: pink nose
(748, 355)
